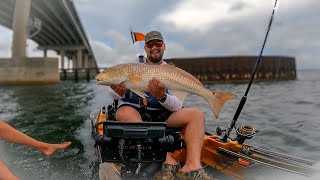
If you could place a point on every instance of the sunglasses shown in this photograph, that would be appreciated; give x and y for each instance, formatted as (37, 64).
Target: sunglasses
(157, 44)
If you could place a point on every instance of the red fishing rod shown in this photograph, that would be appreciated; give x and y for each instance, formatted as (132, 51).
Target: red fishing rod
(226, 133)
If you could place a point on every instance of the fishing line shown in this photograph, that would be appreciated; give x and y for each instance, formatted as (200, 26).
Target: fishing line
(264, 166)
(244, 98)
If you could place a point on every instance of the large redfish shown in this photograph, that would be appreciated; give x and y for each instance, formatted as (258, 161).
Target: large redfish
(137, 76)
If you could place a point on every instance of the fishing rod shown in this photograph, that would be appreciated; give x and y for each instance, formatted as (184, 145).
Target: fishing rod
(244, 98)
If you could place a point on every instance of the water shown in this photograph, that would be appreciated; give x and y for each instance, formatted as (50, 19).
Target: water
(286, 113)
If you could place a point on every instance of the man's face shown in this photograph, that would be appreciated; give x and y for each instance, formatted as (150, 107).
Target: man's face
(154, 50)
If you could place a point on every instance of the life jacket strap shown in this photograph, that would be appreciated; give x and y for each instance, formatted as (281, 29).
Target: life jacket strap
(143, 103)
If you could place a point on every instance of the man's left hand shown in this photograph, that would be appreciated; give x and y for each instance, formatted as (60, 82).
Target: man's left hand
(156, 88)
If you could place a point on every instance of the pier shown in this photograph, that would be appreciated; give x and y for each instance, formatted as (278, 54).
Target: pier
(237, 68)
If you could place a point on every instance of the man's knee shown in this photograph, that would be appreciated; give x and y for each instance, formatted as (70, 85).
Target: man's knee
(196, 115)
(188, 116)
(128, 114)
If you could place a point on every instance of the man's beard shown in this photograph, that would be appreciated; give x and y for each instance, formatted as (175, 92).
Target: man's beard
(155, 60)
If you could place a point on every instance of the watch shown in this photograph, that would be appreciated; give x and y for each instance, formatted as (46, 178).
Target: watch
(163, 98)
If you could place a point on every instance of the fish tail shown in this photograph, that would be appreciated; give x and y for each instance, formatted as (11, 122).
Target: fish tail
(218, 99)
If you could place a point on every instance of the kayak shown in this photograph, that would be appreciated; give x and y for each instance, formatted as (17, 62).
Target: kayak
(137, 150)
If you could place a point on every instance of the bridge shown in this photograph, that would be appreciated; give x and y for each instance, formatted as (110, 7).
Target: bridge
(53, 25)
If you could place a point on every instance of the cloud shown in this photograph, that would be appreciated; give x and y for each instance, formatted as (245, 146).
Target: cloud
(223, 28)
(119, 49)
(174, 49)
(193, 15)
(200, 28)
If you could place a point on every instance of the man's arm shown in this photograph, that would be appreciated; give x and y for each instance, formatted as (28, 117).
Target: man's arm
(171, 102)
(5, 172)
(117, 91)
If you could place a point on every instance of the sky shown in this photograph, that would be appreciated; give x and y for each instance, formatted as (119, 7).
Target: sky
(196, 28)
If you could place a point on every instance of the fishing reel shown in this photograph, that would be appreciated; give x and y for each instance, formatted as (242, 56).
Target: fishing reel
(244, 132)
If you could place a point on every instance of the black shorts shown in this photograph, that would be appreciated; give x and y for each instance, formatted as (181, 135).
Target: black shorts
(152, 115)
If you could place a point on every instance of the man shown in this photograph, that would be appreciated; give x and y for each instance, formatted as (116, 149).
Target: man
(162, 105)
(10, 134)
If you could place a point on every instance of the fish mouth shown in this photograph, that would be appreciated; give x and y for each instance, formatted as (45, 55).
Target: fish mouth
(102, 82)
(99, 82)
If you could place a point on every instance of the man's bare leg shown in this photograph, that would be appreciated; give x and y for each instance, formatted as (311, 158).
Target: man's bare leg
(193, 121)
(170, 160)
(10, 134)
(128, 114)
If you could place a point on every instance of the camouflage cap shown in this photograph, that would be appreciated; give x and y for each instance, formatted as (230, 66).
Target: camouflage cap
(152, 35)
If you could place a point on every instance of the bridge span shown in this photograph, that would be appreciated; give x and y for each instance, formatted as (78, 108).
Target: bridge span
(53, 25)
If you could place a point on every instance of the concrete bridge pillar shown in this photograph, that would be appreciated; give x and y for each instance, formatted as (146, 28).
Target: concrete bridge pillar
(92, 63)
(19, 27)
(79, 58)
(21, 69)
(89, 62)
(62, 54)
(69, 63)
(45, 52)
(86, 61)
(74, 62)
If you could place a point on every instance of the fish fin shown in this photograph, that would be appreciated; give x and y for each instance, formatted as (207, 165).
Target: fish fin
(218, 99)
(135, 79)
(181, 71)
(181, 95)
(139, 93)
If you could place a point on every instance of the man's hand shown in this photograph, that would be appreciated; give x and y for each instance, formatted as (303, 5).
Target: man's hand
(120, 89)
(156, 88)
